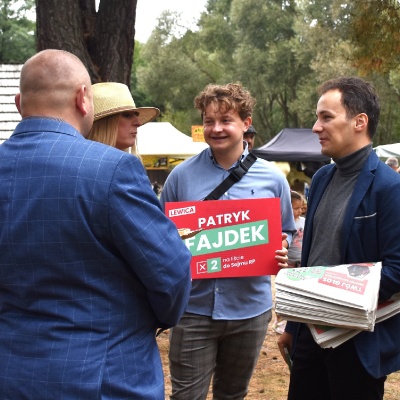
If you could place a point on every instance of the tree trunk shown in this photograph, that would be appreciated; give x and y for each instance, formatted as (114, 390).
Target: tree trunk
(103, 40)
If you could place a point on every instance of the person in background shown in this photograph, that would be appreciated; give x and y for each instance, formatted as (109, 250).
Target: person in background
(116, 117)
(294, 251)
(392, 162)
(224, 326)
(249, 137)
(304, 208)
(157, 188)
(90, 265)
(351, 218)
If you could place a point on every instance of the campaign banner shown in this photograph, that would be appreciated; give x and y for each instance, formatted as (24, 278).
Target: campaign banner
(229, 238)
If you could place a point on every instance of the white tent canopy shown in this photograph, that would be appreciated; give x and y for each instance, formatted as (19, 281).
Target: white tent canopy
(162, 138)
(388, 150)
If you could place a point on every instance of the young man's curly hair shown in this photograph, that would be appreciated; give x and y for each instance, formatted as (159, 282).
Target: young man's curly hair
(231, 96)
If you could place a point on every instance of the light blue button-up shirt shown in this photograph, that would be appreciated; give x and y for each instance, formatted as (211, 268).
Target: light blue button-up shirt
(194, 179)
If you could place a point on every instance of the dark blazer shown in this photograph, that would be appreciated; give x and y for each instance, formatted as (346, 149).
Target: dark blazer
(371, 232)
(90, 267)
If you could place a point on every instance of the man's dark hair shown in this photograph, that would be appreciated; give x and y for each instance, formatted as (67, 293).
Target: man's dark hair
(358, 96)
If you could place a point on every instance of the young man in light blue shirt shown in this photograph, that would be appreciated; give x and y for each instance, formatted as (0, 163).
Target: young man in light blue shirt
(225, 323)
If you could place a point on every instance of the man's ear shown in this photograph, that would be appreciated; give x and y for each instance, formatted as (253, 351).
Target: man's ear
(361, 121)
(82, 101)
(247, 122)
(17, 100)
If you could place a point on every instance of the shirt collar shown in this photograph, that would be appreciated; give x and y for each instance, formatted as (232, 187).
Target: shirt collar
(243, 155)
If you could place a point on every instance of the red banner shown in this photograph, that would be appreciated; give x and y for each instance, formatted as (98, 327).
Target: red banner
(229, 238)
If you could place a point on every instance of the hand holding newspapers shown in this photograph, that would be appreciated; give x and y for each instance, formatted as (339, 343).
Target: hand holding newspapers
(337, 302)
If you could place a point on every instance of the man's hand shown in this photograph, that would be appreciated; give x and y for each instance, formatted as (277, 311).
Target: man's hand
(285, 347)
(282, 254)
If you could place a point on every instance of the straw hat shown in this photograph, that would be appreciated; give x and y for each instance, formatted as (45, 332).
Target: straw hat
(112, 98)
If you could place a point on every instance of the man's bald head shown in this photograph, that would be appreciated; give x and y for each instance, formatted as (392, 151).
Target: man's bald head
(54, 83)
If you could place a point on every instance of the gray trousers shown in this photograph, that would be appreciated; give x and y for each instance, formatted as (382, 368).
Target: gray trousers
(202, 348)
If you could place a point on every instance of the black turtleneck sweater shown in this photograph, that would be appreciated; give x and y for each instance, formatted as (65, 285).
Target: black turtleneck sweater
(328, 219)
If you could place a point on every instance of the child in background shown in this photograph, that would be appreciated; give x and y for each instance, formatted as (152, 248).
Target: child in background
(294, 252)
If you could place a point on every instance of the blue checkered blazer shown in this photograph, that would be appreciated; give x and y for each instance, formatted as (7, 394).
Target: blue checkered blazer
(90, 267)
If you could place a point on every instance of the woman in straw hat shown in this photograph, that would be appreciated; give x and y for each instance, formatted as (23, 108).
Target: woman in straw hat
(116, 117)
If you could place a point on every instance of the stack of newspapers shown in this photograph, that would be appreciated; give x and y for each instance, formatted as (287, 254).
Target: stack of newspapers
(337, 302)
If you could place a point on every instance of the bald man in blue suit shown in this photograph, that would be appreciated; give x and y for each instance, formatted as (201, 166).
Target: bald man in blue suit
(90, 266)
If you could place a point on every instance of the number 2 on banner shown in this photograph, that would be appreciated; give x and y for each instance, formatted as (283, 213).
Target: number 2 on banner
(214, 265)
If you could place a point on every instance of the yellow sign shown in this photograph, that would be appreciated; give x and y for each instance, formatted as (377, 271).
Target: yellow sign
(198, 133)
(155, 162)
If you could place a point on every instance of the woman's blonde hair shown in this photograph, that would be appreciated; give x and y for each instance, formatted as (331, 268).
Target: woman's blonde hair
(105, 130)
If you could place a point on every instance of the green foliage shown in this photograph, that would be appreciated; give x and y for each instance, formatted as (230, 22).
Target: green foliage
(173, 70)
(17, 31)
(376, 34)
(141, 98)
(265, 37)
(281, 50)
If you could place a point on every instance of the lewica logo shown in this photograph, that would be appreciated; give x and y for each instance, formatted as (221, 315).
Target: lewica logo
(182, 211)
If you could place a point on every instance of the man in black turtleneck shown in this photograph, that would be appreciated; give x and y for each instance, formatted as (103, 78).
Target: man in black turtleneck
(351, 218)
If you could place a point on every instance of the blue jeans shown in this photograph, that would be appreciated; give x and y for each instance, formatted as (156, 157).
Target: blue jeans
(202, 348)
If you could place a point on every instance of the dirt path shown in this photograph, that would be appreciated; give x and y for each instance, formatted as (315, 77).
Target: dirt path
(271, 376)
